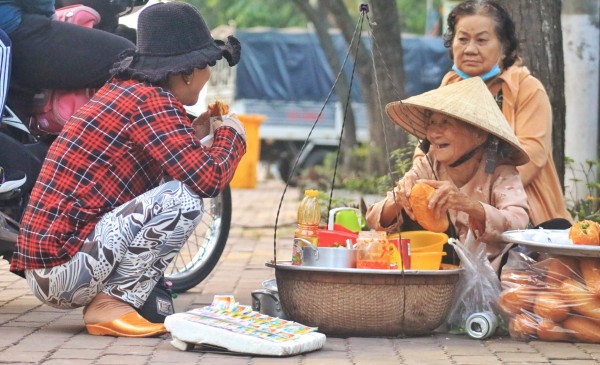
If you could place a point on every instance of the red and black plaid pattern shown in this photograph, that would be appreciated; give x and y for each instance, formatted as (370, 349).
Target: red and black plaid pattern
(115, 148)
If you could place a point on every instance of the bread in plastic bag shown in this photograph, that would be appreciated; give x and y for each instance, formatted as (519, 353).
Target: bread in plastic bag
(551, 298)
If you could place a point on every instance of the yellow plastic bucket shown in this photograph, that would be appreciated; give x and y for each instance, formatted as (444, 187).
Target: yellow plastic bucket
(245, 174)
(423, 241)
(426, 260)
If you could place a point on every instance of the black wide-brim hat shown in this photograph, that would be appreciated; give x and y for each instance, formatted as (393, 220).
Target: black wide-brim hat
(173, 38)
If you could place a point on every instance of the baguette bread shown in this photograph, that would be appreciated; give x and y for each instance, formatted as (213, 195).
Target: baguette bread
(418, 200)
(218, 109)
(516, 300)
(511, 278)
(583, 329)
(551, 306)
(523, 326)
(590, 270)
(580, 299)
(558, 269)
(548, 330)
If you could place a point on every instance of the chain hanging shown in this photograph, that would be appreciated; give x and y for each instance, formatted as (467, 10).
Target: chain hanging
(357, 31)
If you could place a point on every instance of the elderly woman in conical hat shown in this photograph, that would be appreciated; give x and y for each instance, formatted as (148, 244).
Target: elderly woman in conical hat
(471, 164)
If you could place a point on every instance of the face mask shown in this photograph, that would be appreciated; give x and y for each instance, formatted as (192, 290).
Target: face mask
(495, 71)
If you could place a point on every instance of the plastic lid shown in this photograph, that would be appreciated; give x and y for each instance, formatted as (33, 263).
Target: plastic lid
(312, 193)
(374, 235)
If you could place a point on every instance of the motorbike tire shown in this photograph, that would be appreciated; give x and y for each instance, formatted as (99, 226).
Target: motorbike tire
(200, 254)
(9, 230)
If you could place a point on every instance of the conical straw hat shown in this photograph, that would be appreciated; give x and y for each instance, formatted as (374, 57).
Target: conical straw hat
(468, 100)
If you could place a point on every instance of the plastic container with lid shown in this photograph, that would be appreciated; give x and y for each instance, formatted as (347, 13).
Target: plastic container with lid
(372, 250)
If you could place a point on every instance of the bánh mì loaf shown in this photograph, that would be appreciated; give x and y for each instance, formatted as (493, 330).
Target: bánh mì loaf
(418, 200)
(218, 109)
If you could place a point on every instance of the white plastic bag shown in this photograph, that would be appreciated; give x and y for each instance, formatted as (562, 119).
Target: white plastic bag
(477, 290)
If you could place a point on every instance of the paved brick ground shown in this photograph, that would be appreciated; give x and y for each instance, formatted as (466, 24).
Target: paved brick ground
(31, 333)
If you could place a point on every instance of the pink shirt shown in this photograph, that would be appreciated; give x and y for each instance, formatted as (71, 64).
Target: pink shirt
(527, 109)
(501, 194)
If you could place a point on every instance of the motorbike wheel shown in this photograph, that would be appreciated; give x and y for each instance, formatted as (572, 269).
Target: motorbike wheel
(200, 254)
(9, 230)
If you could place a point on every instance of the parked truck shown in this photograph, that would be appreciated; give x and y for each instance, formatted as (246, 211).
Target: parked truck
(284, 75)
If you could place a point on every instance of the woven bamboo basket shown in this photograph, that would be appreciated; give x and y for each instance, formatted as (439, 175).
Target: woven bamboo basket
(362, 302)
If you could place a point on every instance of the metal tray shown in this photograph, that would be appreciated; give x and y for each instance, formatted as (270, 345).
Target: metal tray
(552, 241)
(287, 265)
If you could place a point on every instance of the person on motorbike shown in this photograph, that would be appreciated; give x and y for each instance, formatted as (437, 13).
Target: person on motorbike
(49, 54)
(102, 224)
(9, 180)
(110, 11)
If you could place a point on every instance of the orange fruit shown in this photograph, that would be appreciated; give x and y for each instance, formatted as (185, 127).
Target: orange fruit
(586, 232)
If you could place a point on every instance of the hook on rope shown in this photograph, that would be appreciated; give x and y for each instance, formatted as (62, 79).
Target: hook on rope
(364, 8)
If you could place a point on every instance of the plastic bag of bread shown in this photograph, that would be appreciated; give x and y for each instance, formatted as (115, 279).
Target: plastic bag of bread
(551, 298)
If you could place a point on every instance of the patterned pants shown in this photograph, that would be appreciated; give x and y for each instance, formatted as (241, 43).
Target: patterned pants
(127, 252)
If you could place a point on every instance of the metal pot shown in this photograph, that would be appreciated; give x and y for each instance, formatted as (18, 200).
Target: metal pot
(334, 257)
(266, 300)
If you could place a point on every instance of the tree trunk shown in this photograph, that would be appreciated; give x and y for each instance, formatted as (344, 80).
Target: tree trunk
(342, 88)
(389, 77)
(539, 31)
(381, 86)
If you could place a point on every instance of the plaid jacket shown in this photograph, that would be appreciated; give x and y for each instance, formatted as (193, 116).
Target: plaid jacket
(116, 147)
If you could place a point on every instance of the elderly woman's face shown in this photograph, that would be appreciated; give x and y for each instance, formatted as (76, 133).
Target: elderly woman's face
(451, 138)
(476, 47)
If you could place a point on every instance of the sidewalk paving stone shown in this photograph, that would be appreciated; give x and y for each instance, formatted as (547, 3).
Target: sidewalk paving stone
(32, 333)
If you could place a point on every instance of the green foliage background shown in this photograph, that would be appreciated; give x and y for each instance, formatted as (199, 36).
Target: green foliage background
(281, 14)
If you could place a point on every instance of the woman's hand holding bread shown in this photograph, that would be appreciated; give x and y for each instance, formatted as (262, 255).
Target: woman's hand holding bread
(431, 199)
(392, 207)
(448, 196)
(403, 190)
(201, 125)
(428, 202)
(207, 122)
